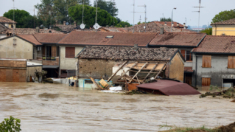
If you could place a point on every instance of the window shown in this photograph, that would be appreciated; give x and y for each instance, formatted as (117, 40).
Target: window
(231, 62)
(206, 61)
(187, 55)
(69, 52)
(58, 51)
(206, 81)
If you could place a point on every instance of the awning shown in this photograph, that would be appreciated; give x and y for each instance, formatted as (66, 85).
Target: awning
(169, 87)
(50, 67)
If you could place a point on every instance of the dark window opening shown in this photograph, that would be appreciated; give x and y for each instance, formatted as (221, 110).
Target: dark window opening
(70, 52)
(48, 54)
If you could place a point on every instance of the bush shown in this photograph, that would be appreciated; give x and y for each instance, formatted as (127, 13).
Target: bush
(10, 125)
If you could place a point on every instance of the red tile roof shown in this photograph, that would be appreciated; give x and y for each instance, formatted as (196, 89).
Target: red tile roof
(30, 38)
(51, 38)
(6, 20)
(99, 38)
(226, 22)
(177, 39)
(169, 24)
(216, 44)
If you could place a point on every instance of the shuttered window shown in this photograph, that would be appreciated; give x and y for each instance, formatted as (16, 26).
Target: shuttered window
(231, 62)
(206, 61)
(206, 81)
(69, 52)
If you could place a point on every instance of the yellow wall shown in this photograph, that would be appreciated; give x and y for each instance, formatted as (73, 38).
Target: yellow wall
(223, 29)
(177, 68)
(69, 63)
(22, 49)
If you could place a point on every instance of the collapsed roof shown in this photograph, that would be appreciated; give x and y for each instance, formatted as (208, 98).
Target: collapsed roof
(127, 53)
(169, 87)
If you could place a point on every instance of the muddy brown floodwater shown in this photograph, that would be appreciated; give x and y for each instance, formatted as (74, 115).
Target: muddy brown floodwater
(59, 108)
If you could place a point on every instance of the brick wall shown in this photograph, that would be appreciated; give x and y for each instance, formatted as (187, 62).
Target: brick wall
(51, 62)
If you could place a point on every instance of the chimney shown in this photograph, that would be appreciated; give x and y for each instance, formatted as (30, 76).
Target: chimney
(177, 24)
(184, 26)
(162, 30)
(37, 29)
(64, 23)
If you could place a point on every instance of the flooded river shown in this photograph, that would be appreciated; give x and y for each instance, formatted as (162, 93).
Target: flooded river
(59, 108)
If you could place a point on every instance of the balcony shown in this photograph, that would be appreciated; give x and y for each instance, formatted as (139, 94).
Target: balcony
(50, 61)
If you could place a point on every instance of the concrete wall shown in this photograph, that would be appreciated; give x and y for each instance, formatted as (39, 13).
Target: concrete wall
(217, 72)
(223, 29)
(31, 70)
(22, 49)
(69, 63)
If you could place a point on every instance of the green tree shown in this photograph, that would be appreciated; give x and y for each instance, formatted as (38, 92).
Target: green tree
(104, 18)
(208, 31)
(123, 24)
(109, 6)
(86, 2)
(10, 125)
(20, 15)
(165, 19)
(224, 15)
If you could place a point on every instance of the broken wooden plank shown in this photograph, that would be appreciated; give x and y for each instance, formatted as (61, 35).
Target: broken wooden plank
(138, 71)
(97, 85)
(117, 70)
(160, 71)
(151, 71)
(129, 69)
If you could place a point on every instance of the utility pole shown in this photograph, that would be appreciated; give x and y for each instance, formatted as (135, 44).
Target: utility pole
(145, 15)
(199, 7)
(133, 15)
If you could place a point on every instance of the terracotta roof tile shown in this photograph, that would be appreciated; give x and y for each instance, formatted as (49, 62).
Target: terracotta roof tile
(30, 31)
(226, 22)
(30, 38)
(127, 53)
(99, 38)
(52, 38)
(216, 44)
(169, 24)
(6, 20)
(177, 39)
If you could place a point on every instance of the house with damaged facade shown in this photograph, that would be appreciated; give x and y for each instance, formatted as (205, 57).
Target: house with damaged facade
(214, 62)
(137, 62)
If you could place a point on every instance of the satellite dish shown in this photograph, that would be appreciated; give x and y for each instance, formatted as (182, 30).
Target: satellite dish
(82, 26)
(96, 26)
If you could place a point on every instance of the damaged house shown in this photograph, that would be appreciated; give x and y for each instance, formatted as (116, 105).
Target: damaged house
(139, 63)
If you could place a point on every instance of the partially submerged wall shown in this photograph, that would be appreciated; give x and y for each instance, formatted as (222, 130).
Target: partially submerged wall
(95, 68)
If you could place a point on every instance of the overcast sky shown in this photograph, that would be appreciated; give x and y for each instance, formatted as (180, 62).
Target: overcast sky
(155, 9)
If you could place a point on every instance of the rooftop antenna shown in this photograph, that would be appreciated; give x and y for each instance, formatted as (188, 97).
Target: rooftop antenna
(13, 17)
(133, 15)
(113, 11)
(145, 16)
(82, 26)
(96, 26)
(199, 11)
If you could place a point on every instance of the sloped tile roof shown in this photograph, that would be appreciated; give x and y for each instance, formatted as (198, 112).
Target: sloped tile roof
(169, 24)
(177, 39)
(6, 20)
(226, 22)
(30, 38)
(99, 38)
(216, 44)
(127, 53)
(51, 38)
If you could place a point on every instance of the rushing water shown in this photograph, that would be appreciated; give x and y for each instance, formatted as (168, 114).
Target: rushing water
(59, 108)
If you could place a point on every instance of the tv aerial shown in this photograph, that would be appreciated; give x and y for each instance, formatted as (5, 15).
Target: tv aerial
(82, 26)
(96, 26)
